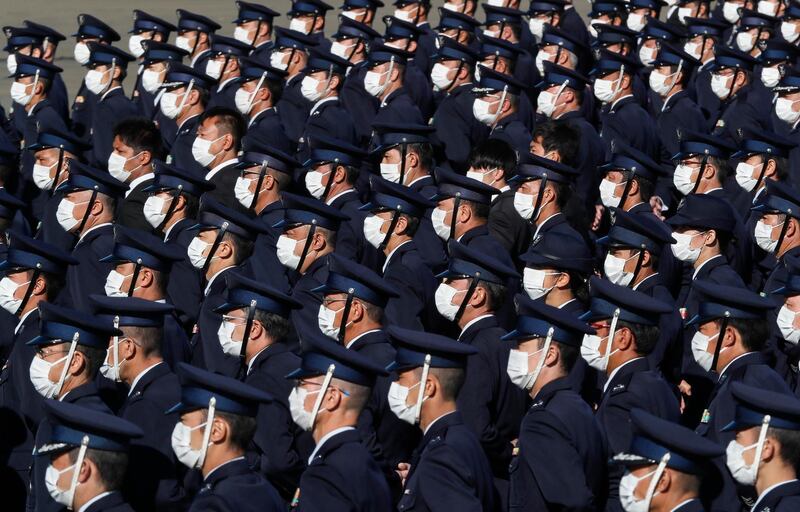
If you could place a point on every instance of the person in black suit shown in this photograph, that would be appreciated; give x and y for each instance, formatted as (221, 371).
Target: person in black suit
(219, 139)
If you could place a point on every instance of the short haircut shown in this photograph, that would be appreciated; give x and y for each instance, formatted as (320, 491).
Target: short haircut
(111, 466)
(329, 234)
(568, 354)
(148, 338)
(412, 223)
(242, 428)
(276, 325)
(55, 283)
(781, 166)
(141, 135)
(108, 202)
(721, 165)
(451, 380)
(646, 187)
(228, 122)
(358, 394)
(562, 137)
(424, 151)
(645, 336)
(789, 441)
(494, 154)
(579, 285)
(242, 247)
(752, 331)
(275, 88)
(283, 180)
(94, 358)
(496, 293)
(160, 279)
(373, 312)
(480, 210)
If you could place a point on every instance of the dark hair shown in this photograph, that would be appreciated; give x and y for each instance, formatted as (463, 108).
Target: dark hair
(275, 88)
(480, 210)
(579, 285)
(721, 165)
(276, 325)
(148, 338)
(412, 224)
(94, 358)
(351, 173)
(424, 151)
(373, 312)
(568, 354)
(451, 380)
(646, 187)
(241, 428)
(141, 135)
(111, 466)
(646, 336)
(492, 154)
(562, 137)
(781, 166)
(496, 294)
(160, 279)
(55, 283)
(243, 247)
(752, 331)
(789, 441)
(227, 121)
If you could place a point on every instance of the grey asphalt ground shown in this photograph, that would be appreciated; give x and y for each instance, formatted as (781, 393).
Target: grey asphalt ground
(62, 16)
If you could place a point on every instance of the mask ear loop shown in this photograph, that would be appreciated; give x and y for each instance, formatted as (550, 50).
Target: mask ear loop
(31, 284)
(248, 326)
(115, 345)
(703, 164)
(307, 246)
(468, 296)
(783, 230)
(675, 80)
(76, 473)
(651, 488)
(392, 226)
(218, 240)
(535, 375)
(212, 407)
(85, 218)
(720, 338)
(67, 362)
(35, 81)
(334, 166)
(456, 206)
(136, 270)
(262, 173)
(638, 267)
(255, 91)
(611, 332)
(539, 196)
(420, 396)
(502, 100)
(58, 170)
(318, 402)
(185, 95)
(762, 435)
(558, 94)
(172, 205)
(761, 174)
(347, 306)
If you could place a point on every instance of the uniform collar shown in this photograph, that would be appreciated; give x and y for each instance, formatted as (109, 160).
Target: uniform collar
(360, 336)
(322, 102)
(108, 92)
(389, 256)
(473, 322)
(93, 228)
(221, 166)
(213, 278)
(620, 102)
(717, 261)
(629, 368)
(230, 467)
(97, 498)
(22, 320)
(790, 483)
(325, 438)
(141, 179)
(142, 374)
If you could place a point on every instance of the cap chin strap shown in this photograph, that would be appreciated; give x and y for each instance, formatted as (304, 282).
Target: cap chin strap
(196, 42)
(638, 267)
(29, 291)
(58, 171)
(212, 408)
(733, 82)
(392, 225)
(626, 190)
(331, 174)
(172, 206)
(720, 339)
(347, 305)
(468, 296)
(651, 488)
(185, 95)
(111, 78)
(535, 375)
(262, 174)
(136, 270)
(500, 106)
(456, 206)
(255, 91)
(255, 36)
(539, 196)
(248, 325)
(70, 353)
(762, 436)
(703, 164)
(115, 345)
(421, 394)
(307, 245)
(403, 155)
(783, 232)
(76, 473)
(85, 217)
(458, 70)
(612, 330)
(355, 49)
(218, 240)
(318, 402)
(764, 163)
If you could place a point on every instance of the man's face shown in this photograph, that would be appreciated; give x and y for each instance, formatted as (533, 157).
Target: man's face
(55, 355)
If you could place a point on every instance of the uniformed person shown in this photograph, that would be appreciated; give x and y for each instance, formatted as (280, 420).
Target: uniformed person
(449, 467)
(496, 105)
(702, 36)
(87, 453)
(147, 27)
(136, 359)
(142, 264)
(623, 41)
(384, 80)
(308, 18)
(559, 440)
(360, 11)
(782, 346)
(261, 87)
(626, 322)
(217, 421)
(225, 66)
(290, 54)
(254, 24)
(255, 327)
(629, 181)
(194, 35)
(787, 118)
(418, 43)
(156, 60)
(775, 231)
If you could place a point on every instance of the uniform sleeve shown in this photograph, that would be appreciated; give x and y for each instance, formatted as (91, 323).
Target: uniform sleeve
(320, 492)
(443, 483)
(476, 397)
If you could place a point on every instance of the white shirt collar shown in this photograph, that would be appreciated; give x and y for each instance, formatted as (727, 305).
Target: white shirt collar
(186, 120)
(350, 343)
(770, 488)
(219, 167)
(224, 463)
(141, 374)
(226, 82)
(83, 235)
(389, 256)
(617, 369)
(330, 200)
(711, 190)
(325, 438)
(258, 114)
(618, 100)
(22, 320)
(109, 92)
(703, 264)
(212, 278)
(643, 280)
(434, 421)
(684, 503)
(96, 498)
(253, 360)
(144, 177)
(544, 222)
(320, 103)
(199, 56)
(474, 320)
(417, 179)
(564, 304)
(732, 361)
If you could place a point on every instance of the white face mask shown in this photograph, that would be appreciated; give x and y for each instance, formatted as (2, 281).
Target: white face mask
(135, 45)
(326, 318)
(605, 90)
(390, 172)
(719, 85)
(214, 69)
(309, 88)
(693, 49)
(533, 282)
(745, 41)
(743, 473)
(297, 399)
(546, 103)
(19, 92)
(730, 11)
(372, 230)
(661, 83)
(497, 3)
(682, 249)
(613, 269)
(523, 204)
(480, 109)
(763, 235)
(683, 13)
(42, 177)
(636, 21)
(784, 109)
(201, 150)
(11, 63)
(94, 81)
(768, 8)
(341, 50)
(518, 367)
(789, 31)
(397, 397)
(607, 197)
(116, 166)
(537, 27)
(785, 323)
(151, 80)
(111, 371)
(770, 77)
(453, 7)
(700, 351)
(372, 82)
(590, 350)
(285, 251)
(183, 43)
(404, 16)
(40, 371)
(541, 58)
(744, 176)
(243, 100)
(593, 27)
(682, 179)
(479, 176)
(441, 227)
(444, 301)
(229, 345)
(298, 25)
(170, 106)
(195, 252)
(243, 35)
(113, 286)
(63, 497)
(314, 183)
(65, 214)
(276, 61)
(352, 15)
(647, 55)
(153, 211)
(8, 289)
(439, 77)
(627, 485)
(182, 444)
(242, 192)
(81, 53)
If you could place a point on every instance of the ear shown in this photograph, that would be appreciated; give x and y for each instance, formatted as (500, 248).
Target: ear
(702, 10)
(145, 157)
(563, 280)
(464, 213)
(86, 470)
(225, 249)
(146, 277)
(181, 203)
(339, 174)
(117, 73)
(402, 224)
(335, 81)
(665, 482)
(711, 238)
(40, 286)
(770, 168)
(730, 337)
(413, 160)
(412, 47)
(432, 386)
(357, 311)
(219, 431)
(233, 65)
(646, 258)
(96, 207)
(553, 356)
(623, 338)
(78, 363)
(633, 188)
(770, 448)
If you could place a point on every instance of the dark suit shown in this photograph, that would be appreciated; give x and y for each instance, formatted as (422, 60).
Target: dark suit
(266, 128)
(224, 180)
(508, 228)
(113, 502)
(130, 209)
(184, 288)
(414, 282)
